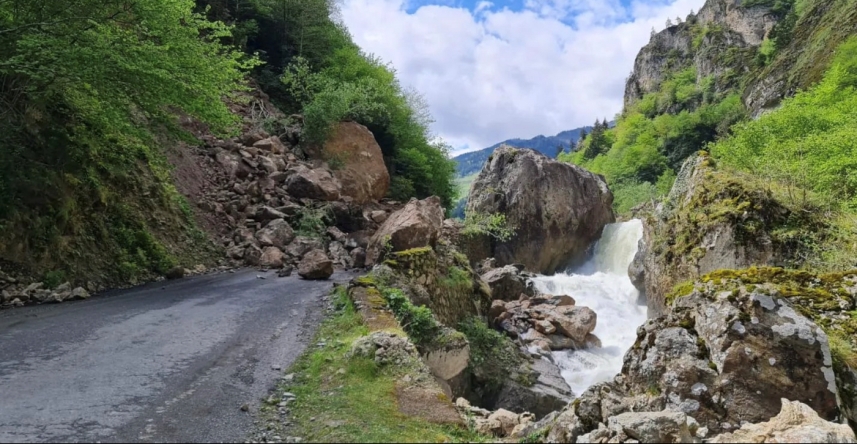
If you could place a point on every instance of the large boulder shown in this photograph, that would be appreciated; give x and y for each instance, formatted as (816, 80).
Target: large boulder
(357, 161)
(711, 220)
(557, 209)
(796, 422)
(549, 392)
(723, 357)
(277, 233)
(315, 183)
(416, 225)
(315, 266)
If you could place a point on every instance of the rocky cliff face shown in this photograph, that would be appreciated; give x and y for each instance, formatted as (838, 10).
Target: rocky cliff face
(557, 210)
(724, 40)
(712, 220)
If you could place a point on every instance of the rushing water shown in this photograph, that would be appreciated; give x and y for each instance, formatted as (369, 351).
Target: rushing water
(602, 284)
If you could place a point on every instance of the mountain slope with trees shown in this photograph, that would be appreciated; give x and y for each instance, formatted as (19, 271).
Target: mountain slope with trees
(699, 77)
(96, 94)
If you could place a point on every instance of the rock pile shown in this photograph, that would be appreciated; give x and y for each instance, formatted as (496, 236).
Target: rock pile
(15, 293)
(545, 323)
(273, 208)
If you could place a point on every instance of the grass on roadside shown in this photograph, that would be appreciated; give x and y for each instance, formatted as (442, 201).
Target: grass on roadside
(353, 400)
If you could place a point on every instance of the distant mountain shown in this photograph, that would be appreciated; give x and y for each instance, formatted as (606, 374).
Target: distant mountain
(472, 162)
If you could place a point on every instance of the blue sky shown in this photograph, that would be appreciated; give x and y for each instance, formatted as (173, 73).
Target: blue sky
(510, 68)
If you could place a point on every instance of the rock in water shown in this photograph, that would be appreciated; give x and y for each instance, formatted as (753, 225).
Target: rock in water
(416, 225)
(508, 283)
(315, 266)
(557, 209)
(357, 161)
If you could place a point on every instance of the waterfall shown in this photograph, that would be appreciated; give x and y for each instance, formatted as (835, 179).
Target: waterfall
(602, 284)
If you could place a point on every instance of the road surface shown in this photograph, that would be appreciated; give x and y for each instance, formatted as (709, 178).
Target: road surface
(166, 362)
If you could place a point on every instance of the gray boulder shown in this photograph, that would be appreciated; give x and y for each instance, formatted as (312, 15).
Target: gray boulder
(315, 266)
(557, 209)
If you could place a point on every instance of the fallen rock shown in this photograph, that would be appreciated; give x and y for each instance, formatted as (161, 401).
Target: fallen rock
(316, 183)
(272, 257)
(358, 257)
(416, 225)
(315, 266)
(360, 166)
(557, 209)
(302, 245)
(509, 283)
(278, 233)
(78, 293)
(175, 273)
(796, 422)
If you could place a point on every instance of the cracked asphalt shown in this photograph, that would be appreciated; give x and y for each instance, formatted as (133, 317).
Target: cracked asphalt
(165, 362)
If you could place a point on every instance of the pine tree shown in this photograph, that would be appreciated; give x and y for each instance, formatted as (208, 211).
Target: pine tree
(669, 23)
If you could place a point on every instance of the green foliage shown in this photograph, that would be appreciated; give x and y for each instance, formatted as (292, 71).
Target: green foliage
(807, 144)
(493, 355)
(353, 86)
(322, 414)
(494, 225)
(457, 278)
(417, 322)
(656, 134)
(312, 222)
(53, 279)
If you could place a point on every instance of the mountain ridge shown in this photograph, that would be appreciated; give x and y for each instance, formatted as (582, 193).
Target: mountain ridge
(469, 163)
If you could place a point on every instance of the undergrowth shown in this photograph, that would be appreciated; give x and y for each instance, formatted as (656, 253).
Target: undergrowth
(342, 399)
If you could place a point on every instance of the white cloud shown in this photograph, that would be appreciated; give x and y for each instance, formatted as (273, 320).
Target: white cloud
(492, 75)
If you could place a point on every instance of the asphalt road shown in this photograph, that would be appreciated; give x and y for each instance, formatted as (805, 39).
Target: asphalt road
(165, 362)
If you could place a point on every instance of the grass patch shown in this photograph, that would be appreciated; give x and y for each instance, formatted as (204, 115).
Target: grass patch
(341, 399)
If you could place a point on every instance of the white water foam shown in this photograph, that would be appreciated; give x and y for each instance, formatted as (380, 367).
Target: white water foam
(602, 284)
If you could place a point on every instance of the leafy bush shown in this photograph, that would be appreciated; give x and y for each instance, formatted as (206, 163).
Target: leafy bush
(312, 222)
(808, 143)
(361, 88)
(417, 322)
(494, 225)
(493, 355)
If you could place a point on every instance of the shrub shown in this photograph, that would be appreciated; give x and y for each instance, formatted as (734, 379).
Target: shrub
(494, 225)
(417, 322)
(493, 355)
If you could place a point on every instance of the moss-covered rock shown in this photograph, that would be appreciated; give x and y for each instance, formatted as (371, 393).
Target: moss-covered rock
(714, 219)
(828, 300)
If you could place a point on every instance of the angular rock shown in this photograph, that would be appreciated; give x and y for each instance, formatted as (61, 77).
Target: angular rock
(266, 214)
(557, 209)
(316, 183)
(576, 323)
(549, 393)
(360, 166)
(416, 225)
(665, 427)
(315, 266)
(358, 257)
(301, 245)
(78, 293)
(508, 283)
(272, 257)
(271, 144)
(796, 422)
(378, 216)
(278, 233)
(175, 273)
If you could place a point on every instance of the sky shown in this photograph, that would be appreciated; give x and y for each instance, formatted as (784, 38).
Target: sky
(496, 70)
